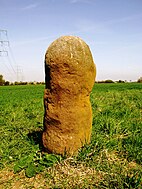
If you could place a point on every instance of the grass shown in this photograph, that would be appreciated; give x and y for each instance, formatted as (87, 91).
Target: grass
(112, 159)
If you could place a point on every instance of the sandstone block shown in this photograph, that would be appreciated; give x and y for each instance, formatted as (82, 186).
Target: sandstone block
(69, 75)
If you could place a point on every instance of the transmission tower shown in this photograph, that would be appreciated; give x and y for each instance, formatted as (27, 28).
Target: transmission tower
(6, 51)
(3, 43)
(19, 72)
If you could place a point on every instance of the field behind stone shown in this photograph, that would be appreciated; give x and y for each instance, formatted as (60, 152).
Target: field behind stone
(112, 159)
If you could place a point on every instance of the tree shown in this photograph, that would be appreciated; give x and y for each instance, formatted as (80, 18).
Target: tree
(6, 83)
(140, 80)
(2, 81)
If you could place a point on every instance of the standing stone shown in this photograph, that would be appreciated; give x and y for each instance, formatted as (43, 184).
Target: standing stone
(70, 75)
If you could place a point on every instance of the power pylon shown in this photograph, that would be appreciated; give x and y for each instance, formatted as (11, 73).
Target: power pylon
(3, 43)
(7, 55)
(19, 74)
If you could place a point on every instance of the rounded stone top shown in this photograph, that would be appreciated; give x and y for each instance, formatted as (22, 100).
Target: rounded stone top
(70, 49)
(70, 55)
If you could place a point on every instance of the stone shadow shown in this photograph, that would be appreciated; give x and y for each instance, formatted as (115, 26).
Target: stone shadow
(35, 138)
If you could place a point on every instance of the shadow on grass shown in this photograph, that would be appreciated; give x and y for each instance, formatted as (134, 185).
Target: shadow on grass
(35, 138)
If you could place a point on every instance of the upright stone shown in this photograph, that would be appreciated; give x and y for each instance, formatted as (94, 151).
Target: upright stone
(69, 75)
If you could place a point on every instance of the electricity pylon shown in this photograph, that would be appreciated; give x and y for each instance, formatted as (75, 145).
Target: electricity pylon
(6, 51)
(3, 43)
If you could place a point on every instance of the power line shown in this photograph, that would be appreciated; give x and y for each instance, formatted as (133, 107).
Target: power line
(11, 64)
(19, 71)
(4, 63)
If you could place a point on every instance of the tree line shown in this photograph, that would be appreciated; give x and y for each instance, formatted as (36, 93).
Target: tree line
(5, 83)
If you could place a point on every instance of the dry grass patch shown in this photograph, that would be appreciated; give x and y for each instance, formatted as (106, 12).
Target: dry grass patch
(71, 174)
(67, 174)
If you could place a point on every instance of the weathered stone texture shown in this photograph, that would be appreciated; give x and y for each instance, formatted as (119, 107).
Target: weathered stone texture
(70, 75)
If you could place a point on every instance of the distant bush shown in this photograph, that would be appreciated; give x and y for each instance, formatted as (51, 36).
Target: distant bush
(28, 83)
(109, 81)
(106, 81)
(20, 83)
(120, 81)
(16, 83)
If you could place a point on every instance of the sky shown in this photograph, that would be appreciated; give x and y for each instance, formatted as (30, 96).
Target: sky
(111, 28)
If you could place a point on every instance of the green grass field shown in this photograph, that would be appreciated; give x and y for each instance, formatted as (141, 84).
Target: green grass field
(112, 159)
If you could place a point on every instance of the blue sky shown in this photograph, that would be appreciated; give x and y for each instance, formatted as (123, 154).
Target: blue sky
(112, 29)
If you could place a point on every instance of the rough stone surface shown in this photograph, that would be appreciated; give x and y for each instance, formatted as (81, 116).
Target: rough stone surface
(70, 74)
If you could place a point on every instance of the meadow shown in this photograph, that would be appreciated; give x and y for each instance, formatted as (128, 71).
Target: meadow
(112, 159)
